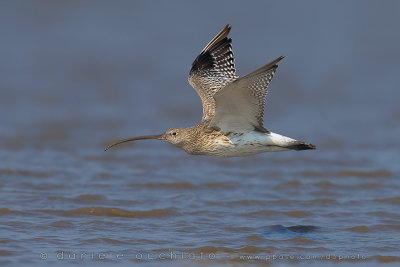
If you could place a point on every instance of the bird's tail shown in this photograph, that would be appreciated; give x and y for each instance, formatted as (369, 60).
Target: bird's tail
(298, 145)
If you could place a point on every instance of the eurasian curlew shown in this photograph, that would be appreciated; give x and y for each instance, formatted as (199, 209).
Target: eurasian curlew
(233, 108)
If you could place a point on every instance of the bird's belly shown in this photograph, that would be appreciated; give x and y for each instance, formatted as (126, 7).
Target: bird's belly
(247, 150)
(251, 143)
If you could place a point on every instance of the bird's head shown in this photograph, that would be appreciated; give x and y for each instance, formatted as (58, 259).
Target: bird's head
(174, 136)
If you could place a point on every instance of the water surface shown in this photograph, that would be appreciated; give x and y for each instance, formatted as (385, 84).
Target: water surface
(78, 75)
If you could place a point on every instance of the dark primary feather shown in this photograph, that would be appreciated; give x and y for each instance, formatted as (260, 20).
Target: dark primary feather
(212, 70)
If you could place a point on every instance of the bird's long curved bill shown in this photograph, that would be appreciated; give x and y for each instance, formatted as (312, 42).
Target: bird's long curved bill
(156, 136)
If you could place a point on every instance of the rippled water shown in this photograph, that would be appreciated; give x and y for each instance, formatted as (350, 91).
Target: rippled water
(77, 75)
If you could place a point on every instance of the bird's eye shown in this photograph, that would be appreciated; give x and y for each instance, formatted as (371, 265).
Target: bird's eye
(174, 133)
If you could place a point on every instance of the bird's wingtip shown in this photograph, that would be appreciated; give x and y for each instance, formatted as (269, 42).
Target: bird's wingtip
(220, 36)
(278, 59)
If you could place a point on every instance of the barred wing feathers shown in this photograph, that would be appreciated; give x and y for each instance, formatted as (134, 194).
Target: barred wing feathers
(240, 105)
(212, 70)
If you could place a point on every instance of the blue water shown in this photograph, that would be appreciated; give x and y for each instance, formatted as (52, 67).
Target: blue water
(78, 75)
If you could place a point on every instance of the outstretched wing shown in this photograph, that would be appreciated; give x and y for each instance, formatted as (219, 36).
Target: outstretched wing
(240, 105)
(212, 70)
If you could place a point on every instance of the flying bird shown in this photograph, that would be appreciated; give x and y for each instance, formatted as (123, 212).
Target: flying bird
(233, 108)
